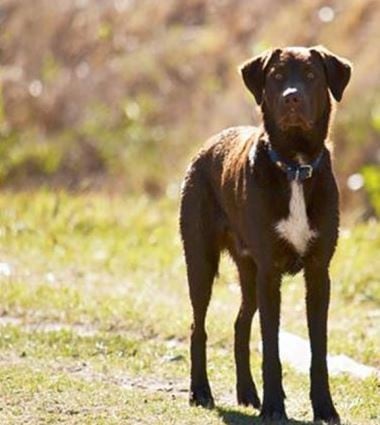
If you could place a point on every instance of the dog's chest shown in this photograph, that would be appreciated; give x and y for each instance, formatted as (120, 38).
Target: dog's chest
(295, 229)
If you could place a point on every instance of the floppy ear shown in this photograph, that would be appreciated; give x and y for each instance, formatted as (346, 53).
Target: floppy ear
(338, 71)
(253, 73)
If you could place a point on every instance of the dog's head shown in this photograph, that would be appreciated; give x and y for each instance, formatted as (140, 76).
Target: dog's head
(293, 84)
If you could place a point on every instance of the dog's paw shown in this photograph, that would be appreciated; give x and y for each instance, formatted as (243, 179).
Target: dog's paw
(328, 418)
(325, 412)
(273, 413)
(201, 396)
(248, 397)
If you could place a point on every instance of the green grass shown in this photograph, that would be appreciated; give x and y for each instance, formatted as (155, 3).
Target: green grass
(96, 317)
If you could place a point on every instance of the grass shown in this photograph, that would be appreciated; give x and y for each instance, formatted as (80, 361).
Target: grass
(95, 317)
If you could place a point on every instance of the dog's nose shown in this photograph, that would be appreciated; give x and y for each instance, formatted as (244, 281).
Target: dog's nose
(291, 97)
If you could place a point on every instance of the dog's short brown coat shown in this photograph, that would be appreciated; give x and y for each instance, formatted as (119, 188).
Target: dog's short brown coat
(233, 198)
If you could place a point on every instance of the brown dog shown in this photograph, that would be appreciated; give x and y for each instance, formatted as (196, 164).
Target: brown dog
(268, 196)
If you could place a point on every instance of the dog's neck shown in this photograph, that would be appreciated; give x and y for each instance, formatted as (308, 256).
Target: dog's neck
(297, 144)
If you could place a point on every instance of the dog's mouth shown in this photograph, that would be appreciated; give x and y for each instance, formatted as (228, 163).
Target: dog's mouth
(294, 119)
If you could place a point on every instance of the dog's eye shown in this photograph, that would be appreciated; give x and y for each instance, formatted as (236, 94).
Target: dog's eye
(310, 75)
(278, 76)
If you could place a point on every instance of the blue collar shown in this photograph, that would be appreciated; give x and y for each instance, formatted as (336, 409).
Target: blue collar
(294, 171)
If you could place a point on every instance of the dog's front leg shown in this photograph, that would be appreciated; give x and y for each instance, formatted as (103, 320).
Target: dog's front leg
(317, 299)
(268, 286)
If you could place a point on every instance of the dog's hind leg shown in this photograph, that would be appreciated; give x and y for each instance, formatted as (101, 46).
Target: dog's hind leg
(202, 257)
(245, 387)
(200, 275)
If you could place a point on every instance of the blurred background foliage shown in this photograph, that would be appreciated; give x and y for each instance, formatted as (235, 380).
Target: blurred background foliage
(117, 95)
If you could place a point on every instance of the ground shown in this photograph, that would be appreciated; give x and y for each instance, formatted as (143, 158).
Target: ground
(95, 317)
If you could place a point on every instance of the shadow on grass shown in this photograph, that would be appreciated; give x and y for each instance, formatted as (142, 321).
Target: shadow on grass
(234, 417)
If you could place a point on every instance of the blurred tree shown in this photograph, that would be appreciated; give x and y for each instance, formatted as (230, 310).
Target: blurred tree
(131, 84)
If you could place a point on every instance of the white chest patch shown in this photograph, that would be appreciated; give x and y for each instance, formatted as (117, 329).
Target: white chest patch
(295, 228)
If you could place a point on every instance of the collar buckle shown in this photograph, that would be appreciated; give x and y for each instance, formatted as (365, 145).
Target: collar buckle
(308, 171)
(295, 171)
